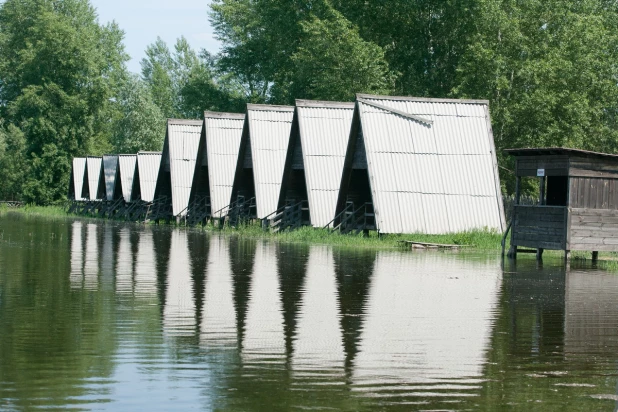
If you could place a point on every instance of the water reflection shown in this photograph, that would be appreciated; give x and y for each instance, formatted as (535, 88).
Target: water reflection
(264, 341)
(218, 327)
(216, 322)
(427, 326)
(179, 317)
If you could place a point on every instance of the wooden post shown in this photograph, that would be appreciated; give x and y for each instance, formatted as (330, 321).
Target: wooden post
(567, 256)
(542, 191)
(539, 254)
(595, 256)
(512, 254)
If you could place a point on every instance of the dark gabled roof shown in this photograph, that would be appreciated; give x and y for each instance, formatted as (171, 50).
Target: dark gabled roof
(559, 151)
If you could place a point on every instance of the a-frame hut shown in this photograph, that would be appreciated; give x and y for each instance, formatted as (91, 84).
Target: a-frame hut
(218, 151)
(76, 183)
(94, 182)
(146, 174)
(263, 153)
(422, 166)
(178, 164)
(318, 145)
(113, 185)
(127, 168)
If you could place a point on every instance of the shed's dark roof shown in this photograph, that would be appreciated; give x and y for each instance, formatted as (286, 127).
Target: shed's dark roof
(545, 151)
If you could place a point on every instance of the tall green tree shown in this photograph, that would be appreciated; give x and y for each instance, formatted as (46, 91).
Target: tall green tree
(58, 71)
(549, 69)
(140, 124)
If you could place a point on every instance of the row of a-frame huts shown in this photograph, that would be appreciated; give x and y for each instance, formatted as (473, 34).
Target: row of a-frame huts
(391, 164)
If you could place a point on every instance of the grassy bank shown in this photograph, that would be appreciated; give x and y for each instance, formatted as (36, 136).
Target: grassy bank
(480, 239)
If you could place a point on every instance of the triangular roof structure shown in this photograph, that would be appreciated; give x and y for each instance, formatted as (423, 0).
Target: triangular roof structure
(126, 165)
(76, 183)
(113, 185)
(178, 163)
(264, 150)
(146, 174)
(218, 151)
(322, 132)
(431, 164)
(95, 177)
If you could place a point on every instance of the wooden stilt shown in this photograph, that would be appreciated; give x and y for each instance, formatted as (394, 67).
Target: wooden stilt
(595, 256)
(539, 254)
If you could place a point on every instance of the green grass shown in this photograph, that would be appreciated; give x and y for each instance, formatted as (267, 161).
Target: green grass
(476, 240)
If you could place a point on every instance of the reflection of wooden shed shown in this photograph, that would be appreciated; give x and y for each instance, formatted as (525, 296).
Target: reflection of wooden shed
(578, 201)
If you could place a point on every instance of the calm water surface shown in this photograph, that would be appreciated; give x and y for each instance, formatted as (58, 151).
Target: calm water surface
(106, 316)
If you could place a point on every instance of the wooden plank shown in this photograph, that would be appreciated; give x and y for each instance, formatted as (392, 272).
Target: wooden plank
(581, 193)
(432, 245)
(599, 248)
(604, 200)
(594, 212)
(573, 192)
(542, 245)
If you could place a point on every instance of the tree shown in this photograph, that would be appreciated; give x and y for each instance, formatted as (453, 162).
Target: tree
(549, 70)
(141, 125)
(334, 63)
(58, 68)
(13, 164)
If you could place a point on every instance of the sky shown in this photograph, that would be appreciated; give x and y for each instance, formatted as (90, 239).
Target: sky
(144, 20)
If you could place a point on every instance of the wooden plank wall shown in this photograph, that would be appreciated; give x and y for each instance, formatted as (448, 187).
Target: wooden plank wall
(540, 227)
(593, 229)
(553, 165)
(594, 193)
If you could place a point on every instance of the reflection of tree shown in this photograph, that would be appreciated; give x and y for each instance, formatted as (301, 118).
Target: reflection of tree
(354, 269)
(292, 267)
(242, 255)
(49, 332)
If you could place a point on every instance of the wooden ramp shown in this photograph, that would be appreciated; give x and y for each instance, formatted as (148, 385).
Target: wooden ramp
(425, 245)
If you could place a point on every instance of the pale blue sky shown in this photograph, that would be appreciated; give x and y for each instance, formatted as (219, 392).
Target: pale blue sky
(144, 20)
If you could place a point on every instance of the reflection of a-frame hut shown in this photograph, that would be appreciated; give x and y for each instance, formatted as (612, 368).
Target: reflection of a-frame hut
(95, 178)
(262, 156)
(417, 317)
(353, 272)
(198, 252)
(292, 267)
(319, 341)
(76, 184)
(314, 168)
(264, 336)
(77, 256)
(218, 324)
(91, 258)
(126, 172)
(420, 165)
(107, 258)
(177, 167)
(145, 269)
(179, 312)
(214, 174)
(124, 263)
(162, 246)
(242, 257)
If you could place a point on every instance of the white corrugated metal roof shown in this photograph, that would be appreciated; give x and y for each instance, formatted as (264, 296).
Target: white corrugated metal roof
(434, 171)
(148, 164)
(127, 164)
(184, 139)
(223, 135)
(110, 169)
(79, 169)
(269, 132)
(94, 165)
(324, 133)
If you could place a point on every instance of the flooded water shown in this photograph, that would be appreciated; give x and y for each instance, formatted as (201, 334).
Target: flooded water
(106, 316)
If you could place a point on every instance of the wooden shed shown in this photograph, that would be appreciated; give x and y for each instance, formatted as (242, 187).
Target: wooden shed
(578, 201)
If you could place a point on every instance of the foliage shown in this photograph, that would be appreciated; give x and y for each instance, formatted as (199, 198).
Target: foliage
(58, 68)
(13, 164)
(141, 125)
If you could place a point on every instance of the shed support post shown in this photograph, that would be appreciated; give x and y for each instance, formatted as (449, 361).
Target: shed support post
(539, 254)
(542, 191)
(512, 254)
(595, 256)
(567, 256)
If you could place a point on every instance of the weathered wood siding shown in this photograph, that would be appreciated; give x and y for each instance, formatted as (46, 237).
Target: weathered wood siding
(553, 165)
(593, 193)
(540, 226)
(593, 229)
